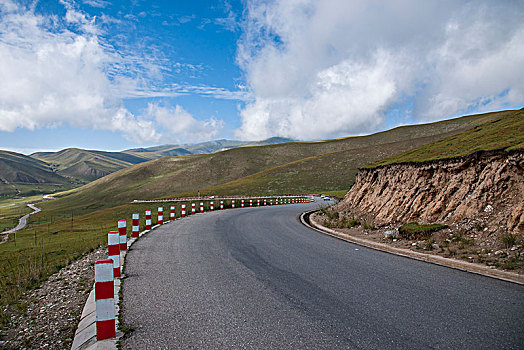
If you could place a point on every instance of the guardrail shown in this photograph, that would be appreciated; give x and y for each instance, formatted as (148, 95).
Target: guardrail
(99, 319)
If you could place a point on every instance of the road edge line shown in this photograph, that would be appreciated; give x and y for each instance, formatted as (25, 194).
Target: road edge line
(429, 258)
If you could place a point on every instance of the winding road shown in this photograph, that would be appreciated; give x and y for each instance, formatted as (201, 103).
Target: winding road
(23, 220)
(256, 278)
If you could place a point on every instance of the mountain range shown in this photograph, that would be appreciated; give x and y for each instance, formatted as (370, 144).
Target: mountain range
(44, 172)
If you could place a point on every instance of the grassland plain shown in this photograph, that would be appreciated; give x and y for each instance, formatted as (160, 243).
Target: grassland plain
(79, 220)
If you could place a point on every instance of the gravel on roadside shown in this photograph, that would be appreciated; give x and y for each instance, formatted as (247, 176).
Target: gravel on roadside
(47, 317)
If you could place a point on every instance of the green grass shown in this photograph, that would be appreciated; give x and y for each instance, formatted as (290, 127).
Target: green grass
(504, 132)
(338, 194)
(414, 230)
(508, 240)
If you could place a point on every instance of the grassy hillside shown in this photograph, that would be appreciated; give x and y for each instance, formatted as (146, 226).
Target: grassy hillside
(504, 132)
(21, 175)
(281, 168)
(87, 165)
(330, 172)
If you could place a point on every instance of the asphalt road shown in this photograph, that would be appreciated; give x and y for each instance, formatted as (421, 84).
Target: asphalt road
(256, 278)
(23, 220)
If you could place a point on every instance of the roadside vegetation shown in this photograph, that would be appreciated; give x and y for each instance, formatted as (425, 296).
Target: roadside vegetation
(414, 230)
(469, 242)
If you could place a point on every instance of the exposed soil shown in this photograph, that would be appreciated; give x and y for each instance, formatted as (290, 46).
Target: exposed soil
(480, 198)
(444, 191)
(47, 317)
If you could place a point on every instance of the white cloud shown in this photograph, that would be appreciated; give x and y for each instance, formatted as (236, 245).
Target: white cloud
(54, 77)
(179, 125)
(320, 69)
(97, 3)
(51, 76)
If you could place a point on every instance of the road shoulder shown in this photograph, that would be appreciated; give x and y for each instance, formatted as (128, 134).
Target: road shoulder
(435, 259)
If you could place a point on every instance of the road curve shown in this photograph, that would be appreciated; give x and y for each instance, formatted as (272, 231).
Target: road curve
(256, 278)
(23, 220)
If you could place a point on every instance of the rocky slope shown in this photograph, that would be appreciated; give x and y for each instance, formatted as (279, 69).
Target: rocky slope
(485, 190)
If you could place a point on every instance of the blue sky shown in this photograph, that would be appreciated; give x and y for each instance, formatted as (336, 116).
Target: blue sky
(113, 75)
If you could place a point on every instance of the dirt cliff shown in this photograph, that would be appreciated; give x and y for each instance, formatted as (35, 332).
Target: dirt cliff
(485, 189)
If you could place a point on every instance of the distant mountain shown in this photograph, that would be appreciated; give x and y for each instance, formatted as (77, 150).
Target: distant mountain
(294, 167)
(202, 147)
(87, 165)
(23, 175)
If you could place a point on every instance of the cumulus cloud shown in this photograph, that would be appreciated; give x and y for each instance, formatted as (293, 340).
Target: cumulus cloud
(180, 126)
(52, 76)
(328, 68)
(59, 71)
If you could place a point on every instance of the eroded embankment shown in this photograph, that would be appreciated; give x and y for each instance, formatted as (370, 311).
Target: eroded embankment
(485, 189)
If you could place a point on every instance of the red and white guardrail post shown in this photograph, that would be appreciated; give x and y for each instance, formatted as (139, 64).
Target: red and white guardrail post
(270, 202)
(265, 203)
(258, 202)
(183, 210)
(135, 229)
(201, 207)
(233, 204)
(122, 231)
(113, 251)
(242, 203)
(211, 206)
(172, 213)
(160, 215)
(221, 205)
(105, 299)
(193, 208)
(148, 219)
(250, 202)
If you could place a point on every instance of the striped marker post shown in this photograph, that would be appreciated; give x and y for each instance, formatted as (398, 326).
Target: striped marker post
(160, 215)
(148, 219)
(250, 202)
(122, 231)
(113, 251)
(135, 229)
(233, 204)
(242, 203)
(265, 203)
(183, 210)
(105, 299)
(201, 207)
(270, 202)
(193, 208)
(172, 213)
(258, 202)
(211, 206)
(221, 205)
